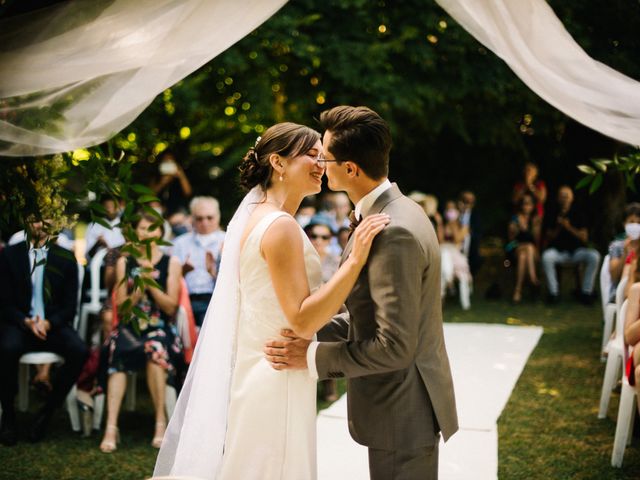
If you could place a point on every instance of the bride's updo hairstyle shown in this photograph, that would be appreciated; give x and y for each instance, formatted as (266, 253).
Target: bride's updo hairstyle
(287, 140)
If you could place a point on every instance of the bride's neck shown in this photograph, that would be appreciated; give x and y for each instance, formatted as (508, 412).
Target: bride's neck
(283, 199)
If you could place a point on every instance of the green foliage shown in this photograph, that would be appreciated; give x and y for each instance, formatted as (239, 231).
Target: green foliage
(457, 112)
(51, 189)
(452, 105)
(594, 174)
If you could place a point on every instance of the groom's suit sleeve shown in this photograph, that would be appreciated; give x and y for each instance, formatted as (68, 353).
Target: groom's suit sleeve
(336, 330)
(394, 272)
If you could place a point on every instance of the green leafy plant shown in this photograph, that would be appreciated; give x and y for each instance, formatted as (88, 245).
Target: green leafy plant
(54, 189)
(594, 174)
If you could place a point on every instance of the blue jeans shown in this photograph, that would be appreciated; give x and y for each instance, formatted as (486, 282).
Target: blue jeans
(587, 256)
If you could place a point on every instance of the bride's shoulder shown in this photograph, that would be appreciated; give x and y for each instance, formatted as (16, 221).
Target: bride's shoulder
(283, 232)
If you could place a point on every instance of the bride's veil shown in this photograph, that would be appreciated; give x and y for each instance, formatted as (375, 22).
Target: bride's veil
(194, 440)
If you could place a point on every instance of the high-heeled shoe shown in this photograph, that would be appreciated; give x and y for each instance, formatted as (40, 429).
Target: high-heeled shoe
(109, 446)
(157, 439)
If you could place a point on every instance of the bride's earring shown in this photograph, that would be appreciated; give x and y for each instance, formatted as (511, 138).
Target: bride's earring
(281, 177)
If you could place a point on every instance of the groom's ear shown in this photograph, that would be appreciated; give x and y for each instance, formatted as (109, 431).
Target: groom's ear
(352, 169)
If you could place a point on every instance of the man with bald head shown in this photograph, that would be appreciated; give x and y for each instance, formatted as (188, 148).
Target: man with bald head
(199, 252)
(567, 238)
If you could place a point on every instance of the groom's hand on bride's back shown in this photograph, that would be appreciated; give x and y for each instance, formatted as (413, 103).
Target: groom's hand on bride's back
(287, 354)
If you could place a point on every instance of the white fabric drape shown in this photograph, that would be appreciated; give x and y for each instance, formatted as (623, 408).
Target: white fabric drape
(531, 39)
(194, 440)
(74, 74)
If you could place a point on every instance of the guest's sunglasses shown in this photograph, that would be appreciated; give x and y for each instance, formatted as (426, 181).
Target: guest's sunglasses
(205, 217)
(313, 236)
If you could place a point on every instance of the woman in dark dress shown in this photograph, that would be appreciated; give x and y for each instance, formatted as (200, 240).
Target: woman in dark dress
(524, 238)
(156, 347)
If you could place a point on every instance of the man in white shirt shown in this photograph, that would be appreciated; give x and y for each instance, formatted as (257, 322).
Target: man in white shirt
(99, 236)
(199, 252)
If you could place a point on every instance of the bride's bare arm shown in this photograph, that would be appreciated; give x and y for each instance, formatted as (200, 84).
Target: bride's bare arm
(283, 251)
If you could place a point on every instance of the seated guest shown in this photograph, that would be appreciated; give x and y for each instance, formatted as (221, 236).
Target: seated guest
(339, 211)
(524, 238)
(469, 217)
(622, 249)
(430, 205)
(155, 344)
(38, 301)
(319, 232)
(99, 236)
(199, 253)
(180, 222)
(532, 184)
(566, 237)
(454, 263)
(632, 336)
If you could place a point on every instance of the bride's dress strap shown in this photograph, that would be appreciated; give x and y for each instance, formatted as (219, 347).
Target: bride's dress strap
(263, 224)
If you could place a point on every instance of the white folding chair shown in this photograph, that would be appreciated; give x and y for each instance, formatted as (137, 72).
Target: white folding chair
(38, 358)
(608, 308)
(615, 353)
(447, 275)
(626, 410)
(97, 295)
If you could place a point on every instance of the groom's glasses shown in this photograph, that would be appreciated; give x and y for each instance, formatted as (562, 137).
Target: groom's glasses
(321, 161)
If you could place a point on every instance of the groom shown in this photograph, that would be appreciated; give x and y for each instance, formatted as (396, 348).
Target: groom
(390, 344)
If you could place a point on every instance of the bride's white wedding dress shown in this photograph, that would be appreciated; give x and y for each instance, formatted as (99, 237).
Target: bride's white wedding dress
(271, 430)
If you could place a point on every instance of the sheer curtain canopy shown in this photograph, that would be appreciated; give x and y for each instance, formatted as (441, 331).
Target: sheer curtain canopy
(530, 38)
(74, 74)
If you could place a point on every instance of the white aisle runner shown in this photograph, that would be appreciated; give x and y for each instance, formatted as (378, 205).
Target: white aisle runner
(486, 361)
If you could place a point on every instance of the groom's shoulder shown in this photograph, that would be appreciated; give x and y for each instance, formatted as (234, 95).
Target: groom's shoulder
(407, 212)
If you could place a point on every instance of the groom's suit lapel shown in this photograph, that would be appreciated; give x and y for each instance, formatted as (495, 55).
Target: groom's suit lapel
(382, 201)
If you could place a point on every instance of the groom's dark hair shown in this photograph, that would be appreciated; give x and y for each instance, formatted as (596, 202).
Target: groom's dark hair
(359, 135)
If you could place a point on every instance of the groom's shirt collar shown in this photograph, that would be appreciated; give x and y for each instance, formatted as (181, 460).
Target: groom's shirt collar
(366, 202)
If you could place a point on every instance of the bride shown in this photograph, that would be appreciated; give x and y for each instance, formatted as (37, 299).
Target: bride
(236, 417)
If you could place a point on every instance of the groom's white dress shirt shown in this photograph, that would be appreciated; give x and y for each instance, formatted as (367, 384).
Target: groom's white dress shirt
(361, 208)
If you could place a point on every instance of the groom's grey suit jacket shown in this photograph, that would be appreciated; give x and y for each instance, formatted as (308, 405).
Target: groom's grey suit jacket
(390, 344)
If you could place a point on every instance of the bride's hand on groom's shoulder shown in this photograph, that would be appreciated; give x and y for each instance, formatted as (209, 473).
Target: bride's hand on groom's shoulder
(287, 354)
(364, 234)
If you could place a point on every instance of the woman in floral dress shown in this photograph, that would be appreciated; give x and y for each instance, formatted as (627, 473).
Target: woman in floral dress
(154, 345)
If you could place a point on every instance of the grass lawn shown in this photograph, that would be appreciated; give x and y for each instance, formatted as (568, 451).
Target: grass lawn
(548, 430)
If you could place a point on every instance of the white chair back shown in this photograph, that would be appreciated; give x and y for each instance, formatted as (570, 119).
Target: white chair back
(625, 350)
(605, 283)
(76, 318)
(96, 294)
(619, 301)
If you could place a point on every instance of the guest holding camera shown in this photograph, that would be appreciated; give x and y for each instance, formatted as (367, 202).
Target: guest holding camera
(172, 185)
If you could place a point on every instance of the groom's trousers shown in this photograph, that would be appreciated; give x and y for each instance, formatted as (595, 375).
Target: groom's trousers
(419, 464)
